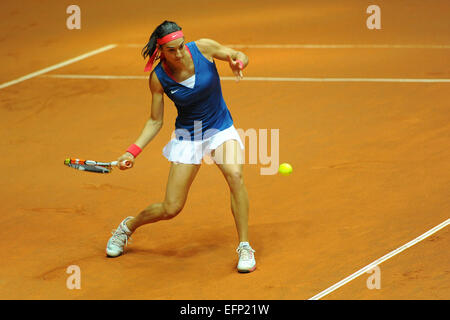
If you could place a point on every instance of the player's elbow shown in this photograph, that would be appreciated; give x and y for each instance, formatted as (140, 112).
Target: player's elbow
(156, 123)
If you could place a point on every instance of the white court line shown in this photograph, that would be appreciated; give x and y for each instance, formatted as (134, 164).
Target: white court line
(338, 46)
(324, 46)
(380, 260)
(93, 76)
(112, 77)
(56, 66)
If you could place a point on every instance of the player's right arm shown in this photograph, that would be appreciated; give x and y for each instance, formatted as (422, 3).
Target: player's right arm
(155, 122)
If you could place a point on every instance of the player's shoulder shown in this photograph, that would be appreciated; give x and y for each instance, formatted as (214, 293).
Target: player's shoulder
(154, 83)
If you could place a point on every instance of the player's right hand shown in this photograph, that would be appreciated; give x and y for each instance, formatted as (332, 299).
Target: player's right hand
(236, 68)
(125, 161)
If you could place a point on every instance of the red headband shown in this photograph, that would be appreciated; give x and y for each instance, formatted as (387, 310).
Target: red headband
(170, 37)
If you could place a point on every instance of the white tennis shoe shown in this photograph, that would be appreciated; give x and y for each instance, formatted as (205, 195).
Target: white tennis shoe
(247, 262)
(119, 239)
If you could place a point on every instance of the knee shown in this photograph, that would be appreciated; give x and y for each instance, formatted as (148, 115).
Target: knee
(172, 209)
(235, 179)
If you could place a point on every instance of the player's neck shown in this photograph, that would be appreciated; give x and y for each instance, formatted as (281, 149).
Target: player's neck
(178, 66)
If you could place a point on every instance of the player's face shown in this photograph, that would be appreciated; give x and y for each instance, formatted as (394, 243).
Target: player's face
(174, 50)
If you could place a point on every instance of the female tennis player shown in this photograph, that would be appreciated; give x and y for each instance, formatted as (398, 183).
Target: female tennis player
(187, 74)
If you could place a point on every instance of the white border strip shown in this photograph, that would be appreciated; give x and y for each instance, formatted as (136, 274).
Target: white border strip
(379, 261)
(56, 66)
(324, 46)
(81, 76)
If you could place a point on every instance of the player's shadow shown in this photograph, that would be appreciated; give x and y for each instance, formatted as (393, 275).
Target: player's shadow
(169, 251)
(194, 245)
(216, 246)
(220, 240)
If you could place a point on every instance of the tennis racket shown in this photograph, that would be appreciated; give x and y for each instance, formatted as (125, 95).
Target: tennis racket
(94, 166)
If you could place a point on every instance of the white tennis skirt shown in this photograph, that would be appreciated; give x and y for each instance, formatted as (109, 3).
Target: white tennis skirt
(192, 152)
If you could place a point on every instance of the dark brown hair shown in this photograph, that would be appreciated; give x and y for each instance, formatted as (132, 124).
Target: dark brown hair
(162, 30)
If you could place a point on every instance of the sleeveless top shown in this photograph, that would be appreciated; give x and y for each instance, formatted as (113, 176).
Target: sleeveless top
(202, 111)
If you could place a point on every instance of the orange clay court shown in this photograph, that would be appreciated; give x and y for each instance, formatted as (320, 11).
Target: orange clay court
(371, 157)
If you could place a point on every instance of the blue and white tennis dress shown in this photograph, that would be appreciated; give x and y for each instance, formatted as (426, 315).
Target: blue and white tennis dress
(204, 121)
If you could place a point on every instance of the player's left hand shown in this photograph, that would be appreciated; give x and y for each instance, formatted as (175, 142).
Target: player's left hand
(236, 68)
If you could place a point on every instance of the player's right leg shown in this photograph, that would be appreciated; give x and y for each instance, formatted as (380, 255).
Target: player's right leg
(180, 179)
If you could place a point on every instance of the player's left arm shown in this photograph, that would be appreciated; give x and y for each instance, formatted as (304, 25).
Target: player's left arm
(213, 49)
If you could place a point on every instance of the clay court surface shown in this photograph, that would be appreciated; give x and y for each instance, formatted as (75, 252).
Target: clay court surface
(371, 159)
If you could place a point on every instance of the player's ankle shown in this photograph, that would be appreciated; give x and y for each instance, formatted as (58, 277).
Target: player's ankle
(130, 226)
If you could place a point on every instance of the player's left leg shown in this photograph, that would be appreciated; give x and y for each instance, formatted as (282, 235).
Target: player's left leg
(229, 158)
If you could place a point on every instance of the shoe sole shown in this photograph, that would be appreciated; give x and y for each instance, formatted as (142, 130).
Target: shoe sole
(112, 256)
(247, 270)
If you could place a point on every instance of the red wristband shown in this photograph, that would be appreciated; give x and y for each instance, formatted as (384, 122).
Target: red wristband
(134, 150)
(241, 64)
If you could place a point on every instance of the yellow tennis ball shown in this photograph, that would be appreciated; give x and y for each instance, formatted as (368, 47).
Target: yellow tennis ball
(285, 169)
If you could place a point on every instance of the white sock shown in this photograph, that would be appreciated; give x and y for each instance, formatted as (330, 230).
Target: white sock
(244, 243)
